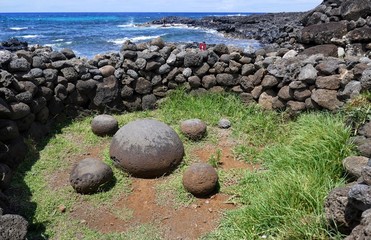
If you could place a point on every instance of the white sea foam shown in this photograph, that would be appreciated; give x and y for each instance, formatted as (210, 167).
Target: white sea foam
(29, 36)
(50, 45)
(127, 25)
(18, 28)
(68, 43)
(58, 40)
(120, 41)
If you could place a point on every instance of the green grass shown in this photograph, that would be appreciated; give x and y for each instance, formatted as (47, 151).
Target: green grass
(286, 201)
(301, 162)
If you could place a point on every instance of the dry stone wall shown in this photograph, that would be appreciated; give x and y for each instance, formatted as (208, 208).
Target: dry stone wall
(39, 84)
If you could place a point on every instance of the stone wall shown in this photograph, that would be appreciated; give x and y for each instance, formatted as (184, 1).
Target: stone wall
(40, 84)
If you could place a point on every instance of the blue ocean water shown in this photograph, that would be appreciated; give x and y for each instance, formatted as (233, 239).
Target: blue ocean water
(89, 34)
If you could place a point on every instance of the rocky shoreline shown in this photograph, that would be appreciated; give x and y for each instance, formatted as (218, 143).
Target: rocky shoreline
(314, 61)
(267, 28)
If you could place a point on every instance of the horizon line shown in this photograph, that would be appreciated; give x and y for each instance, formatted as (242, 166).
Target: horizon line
(156, 12)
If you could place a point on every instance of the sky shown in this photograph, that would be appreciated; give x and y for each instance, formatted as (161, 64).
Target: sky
(157, 5)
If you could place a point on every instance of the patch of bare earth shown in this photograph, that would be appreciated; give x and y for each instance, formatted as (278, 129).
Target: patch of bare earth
(141, 206)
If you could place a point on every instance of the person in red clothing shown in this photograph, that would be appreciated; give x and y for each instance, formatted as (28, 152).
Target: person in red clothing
(202, 46)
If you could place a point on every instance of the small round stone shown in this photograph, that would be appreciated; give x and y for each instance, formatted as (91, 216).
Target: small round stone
(200, 179)
(224, 123)
(146, 148)
(89, 174)
(103, 125)
(194, 129)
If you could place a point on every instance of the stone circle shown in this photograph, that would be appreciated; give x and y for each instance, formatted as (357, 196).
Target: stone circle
(89, 174)
(103, 125)
(200, 179)
(194, 129)
(146, 148)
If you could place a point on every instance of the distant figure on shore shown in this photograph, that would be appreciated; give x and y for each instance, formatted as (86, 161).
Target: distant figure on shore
(202, 46)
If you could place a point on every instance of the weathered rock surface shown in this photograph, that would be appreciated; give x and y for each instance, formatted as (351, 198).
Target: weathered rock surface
(354, 165)
(339, 213)
(103, 125)
(200, 179)
(194, 129)
(13, 227)
(89, 174)
(146, 148)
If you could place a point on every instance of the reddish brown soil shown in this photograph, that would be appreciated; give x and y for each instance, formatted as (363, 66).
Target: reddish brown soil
(141, 206)
(227, 159)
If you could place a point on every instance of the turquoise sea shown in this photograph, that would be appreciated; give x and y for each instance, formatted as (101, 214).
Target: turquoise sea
(89, 34)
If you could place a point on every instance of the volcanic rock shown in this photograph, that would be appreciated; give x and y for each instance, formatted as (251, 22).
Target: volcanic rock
(13, 227)
(354, 165)
(339, 213)
(146, 148)
(360, 196)
(89, 174)
(103, 125)
(194, 129)
(200, 179)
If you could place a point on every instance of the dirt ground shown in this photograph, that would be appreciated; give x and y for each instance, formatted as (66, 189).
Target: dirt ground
(141, 206)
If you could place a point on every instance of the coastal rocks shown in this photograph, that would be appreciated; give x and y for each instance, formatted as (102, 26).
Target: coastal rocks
(200, 179)
(5, 57)
(194, 129)
(13, 44)
(19, 65)
(328, 50)
(146, 148)
(107, 70)
(354, 9)
(103, 125)
(89, 174)
(323, 33)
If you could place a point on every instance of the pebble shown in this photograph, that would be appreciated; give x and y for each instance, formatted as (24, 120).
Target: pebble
(224, 123)
(62, 208)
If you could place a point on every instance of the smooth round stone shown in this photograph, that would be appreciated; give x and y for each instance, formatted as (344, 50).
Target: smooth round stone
(200, 179)
(103, 125)
(89, 174)
(224, 123)
(194, 129)
(146, 148)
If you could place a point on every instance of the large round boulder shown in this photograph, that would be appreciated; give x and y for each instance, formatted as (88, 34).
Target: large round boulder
(194, 129)
(146, 148)
(103, 125)
(200, 179)
(89, 174)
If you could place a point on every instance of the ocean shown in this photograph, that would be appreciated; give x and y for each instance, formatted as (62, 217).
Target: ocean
(89, 34)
